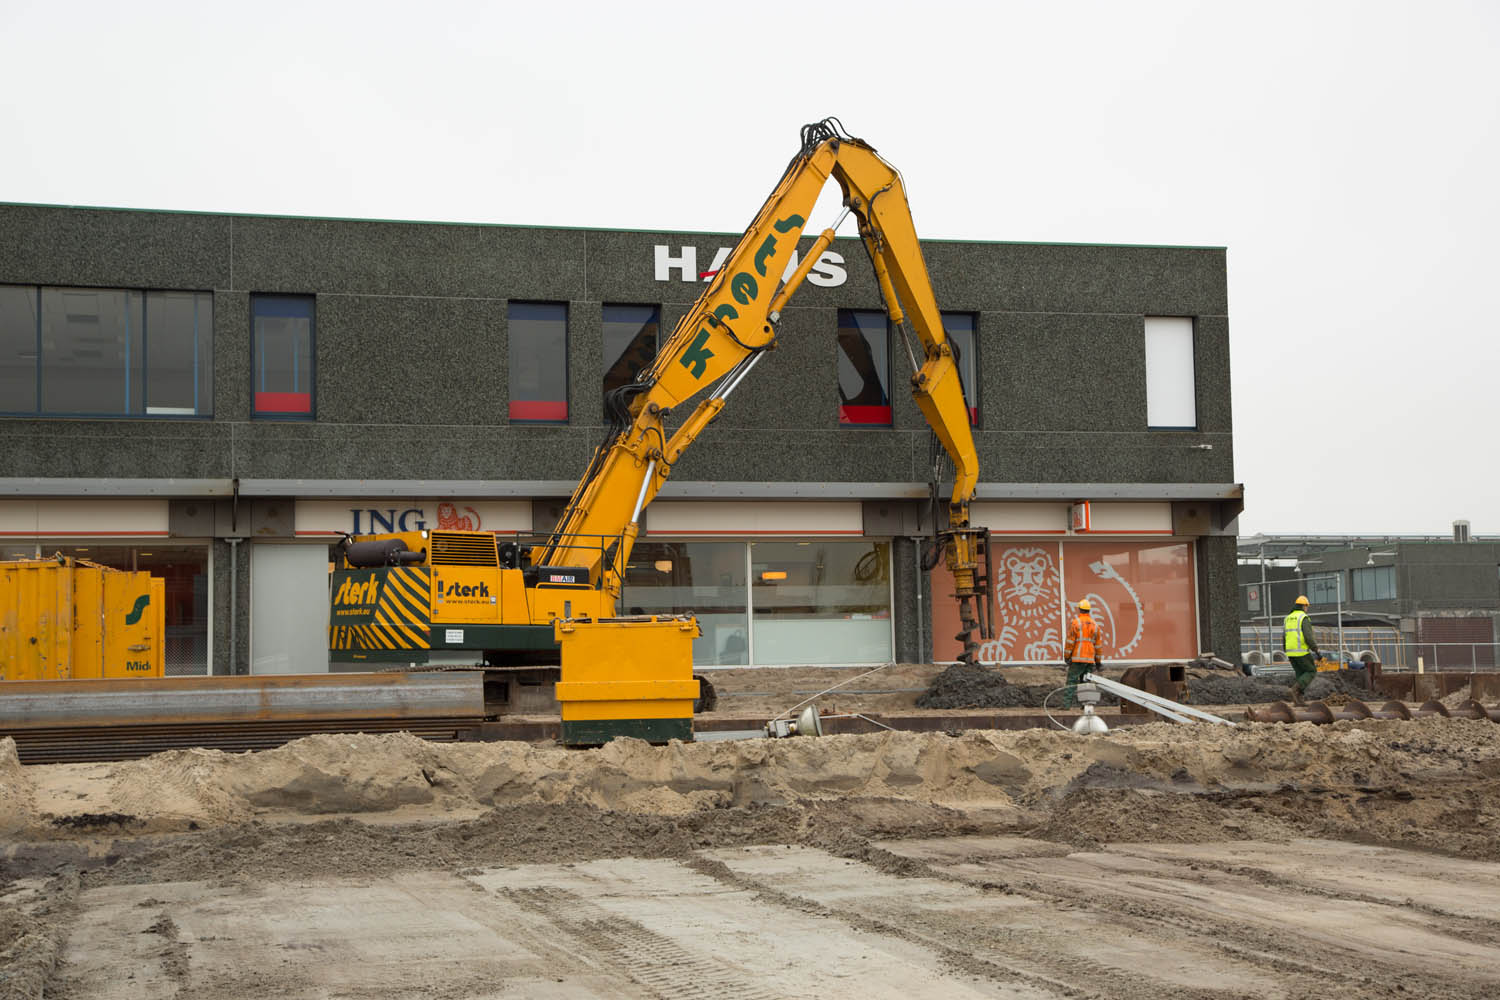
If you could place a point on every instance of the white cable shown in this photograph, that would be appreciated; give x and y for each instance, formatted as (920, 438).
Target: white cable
(856, 715)
(1059, 725)
(834, 688)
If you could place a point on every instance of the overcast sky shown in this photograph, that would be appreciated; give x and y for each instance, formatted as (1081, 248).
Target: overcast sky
(1346, 154)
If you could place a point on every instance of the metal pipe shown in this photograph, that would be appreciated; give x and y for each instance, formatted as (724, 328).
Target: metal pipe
(640, 500)
(264, 699)
(1153, 700)
(923, 646)
(740, 376)
(234, 602)
(1135, 695)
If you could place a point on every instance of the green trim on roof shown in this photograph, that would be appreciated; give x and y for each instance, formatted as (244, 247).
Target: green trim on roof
(581, 229)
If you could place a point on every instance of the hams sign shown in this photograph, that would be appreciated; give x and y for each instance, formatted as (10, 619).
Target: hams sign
(828, 271)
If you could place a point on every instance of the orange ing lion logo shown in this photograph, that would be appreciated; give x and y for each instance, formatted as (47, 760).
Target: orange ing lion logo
(449, 519)
(1026, 592)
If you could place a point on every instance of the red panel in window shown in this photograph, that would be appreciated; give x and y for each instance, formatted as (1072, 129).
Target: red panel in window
(283, 402)
(539, 409)
(865, 415)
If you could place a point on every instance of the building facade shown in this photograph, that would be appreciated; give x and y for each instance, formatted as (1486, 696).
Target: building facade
(1399, 596)
(217, 397)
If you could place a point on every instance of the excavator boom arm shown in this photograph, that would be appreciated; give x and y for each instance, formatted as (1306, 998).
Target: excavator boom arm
(735, 320)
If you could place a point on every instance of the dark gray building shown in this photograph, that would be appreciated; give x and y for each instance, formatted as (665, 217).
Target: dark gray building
(1403, 596)
(215, 397)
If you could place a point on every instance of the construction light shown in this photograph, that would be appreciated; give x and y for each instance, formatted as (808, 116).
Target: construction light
(773, 574)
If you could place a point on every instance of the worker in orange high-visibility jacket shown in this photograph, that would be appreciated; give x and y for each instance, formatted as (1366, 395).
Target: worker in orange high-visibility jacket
(1084, 649)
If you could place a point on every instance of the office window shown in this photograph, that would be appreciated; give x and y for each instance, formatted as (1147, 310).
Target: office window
(179, 354)
(864, 368)
(1171, 392)
(110, 352)
(538, 361)
(282, 332)
(1323, 590)
(1375, 583)
(631, 339)
(821, 601)
(92, 350)
(19, 336)
(959, 328)
(705, 578)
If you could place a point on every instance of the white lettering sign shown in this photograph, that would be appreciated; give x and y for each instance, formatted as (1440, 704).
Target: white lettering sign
(828, 271)
(333, 517)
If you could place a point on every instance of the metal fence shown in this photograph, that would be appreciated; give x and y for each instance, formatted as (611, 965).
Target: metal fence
(1388, 647)
(1471, 656)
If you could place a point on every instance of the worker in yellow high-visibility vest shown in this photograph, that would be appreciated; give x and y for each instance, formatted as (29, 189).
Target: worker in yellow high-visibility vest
(1301, 647)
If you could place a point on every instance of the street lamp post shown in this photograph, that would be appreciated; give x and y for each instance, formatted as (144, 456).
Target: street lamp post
(1265, 597)
(1338, 579)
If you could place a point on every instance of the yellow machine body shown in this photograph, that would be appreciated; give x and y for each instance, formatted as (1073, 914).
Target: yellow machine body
(453, 598)
(65, 619)
(627, 677)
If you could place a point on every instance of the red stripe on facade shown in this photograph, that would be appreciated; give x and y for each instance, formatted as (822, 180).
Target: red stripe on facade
(864, 414)
(283, 402)
(538, 409)
(1127, 531)
(96, 533)
(790, 532)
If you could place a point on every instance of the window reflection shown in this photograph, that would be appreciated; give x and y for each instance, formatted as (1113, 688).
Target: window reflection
(706, 578)
(959, 329)
(630, 342)
(283, 376)
(538, 333)
(821, 601)
(864, 341)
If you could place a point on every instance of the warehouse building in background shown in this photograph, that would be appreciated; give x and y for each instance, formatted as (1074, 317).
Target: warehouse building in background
(216, 398)
(1404, 600)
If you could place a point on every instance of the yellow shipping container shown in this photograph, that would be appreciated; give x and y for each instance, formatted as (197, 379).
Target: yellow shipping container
(65, 618)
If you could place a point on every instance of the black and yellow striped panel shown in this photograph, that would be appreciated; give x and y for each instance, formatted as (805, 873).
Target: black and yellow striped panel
(403, 614)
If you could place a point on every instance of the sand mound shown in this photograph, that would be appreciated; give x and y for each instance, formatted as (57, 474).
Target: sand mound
(1019, 772)
(17, 809)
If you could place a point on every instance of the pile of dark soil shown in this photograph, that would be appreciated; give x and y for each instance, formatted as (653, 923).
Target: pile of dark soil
(1345, 682)
(963, 686)
(1235, 689)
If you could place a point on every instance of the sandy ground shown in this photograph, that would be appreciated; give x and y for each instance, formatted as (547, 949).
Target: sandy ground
(1354, 860)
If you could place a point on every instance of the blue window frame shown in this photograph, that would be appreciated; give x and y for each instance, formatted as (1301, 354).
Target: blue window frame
(282, 365)
(960, 330)
(538, 333)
